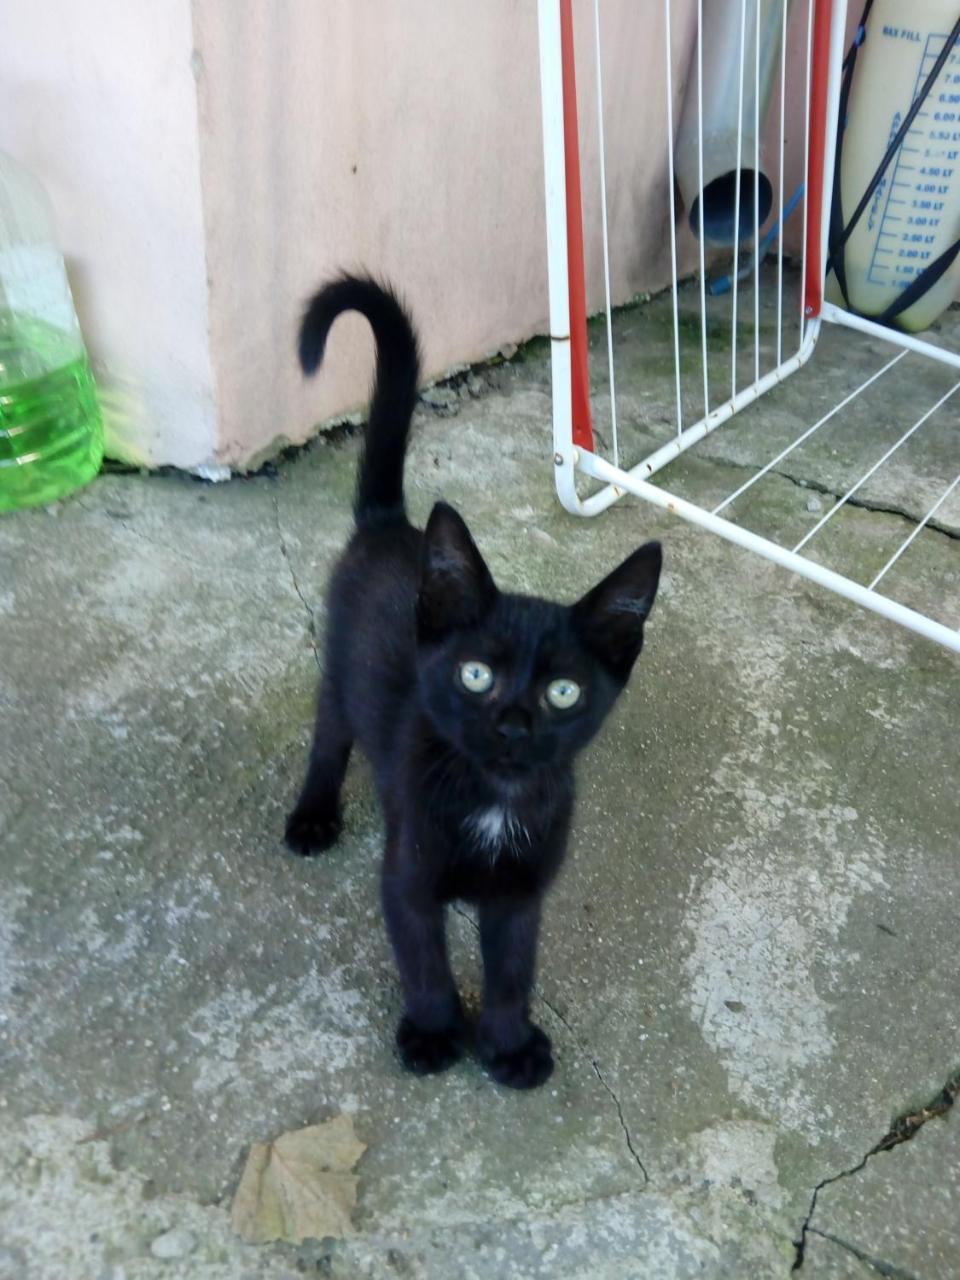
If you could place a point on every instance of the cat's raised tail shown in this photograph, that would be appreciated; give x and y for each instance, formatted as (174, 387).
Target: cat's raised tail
(380, 476)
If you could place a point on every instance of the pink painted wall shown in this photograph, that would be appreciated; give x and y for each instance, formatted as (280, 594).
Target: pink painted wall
(406, 139)
(98, 99)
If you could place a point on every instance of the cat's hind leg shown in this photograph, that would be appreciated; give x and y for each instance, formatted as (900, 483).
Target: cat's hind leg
(316, 820)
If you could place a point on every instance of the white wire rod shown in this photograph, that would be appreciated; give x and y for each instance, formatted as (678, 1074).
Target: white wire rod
(554, 166)
(806, 173)
(876, 467)
(703, 270)
(783, 82)
(919, 529)
(619, 482)
(673, 218)
(606, 239)
(756, 194)
(837, 315)
(747, 484)
(673, 449)
(736, 202)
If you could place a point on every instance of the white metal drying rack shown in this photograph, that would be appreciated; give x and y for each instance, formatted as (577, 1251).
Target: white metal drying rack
(575, 448)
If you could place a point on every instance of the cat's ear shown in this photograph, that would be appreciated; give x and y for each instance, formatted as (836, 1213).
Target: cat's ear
(456, 589)
(609, 619)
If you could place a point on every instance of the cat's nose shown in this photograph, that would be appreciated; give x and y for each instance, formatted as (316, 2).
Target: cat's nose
(514, 724)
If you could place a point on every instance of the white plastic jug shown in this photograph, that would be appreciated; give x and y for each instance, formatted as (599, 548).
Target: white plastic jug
(914, 215)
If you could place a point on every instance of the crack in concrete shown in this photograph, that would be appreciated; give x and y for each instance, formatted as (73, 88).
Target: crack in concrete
(311, 617)
(882, 1268)
(904, 1128)
(464, 916)
(600, 1076)
(623, 1124)
(538, 992)
(861, 504)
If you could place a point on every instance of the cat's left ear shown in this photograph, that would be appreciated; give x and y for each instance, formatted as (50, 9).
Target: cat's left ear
(456, 589)
(610, 618)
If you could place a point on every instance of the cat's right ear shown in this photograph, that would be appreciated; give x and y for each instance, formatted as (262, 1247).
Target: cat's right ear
(456, 589)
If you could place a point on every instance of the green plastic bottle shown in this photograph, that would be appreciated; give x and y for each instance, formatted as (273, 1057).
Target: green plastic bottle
(51, 432)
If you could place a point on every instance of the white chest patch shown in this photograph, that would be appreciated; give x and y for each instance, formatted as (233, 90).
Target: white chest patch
(495, 829)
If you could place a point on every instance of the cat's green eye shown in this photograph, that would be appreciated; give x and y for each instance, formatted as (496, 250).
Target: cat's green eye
(563, 694)
(476, 677)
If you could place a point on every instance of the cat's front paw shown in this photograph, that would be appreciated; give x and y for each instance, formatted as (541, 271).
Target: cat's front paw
(312, 830)
(523, 1068)
(426, 1052)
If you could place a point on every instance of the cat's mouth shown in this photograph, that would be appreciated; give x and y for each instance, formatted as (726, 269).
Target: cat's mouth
(508, 769)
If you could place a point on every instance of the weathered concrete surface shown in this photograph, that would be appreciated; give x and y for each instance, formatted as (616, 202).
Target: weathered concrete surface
(748, 969)
(826, 1260)
(900, 1210)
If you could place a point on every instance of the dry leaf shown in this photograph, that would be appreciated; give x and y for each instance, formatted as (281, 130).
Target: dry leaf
(300, 1185)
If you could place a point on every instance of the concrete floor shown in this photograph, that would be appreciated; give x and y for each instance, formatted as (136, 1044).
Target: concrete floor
(749, 967)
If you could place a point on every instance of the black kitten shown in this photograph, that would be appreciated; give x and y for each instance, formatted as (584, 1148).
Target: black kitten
(470, 704)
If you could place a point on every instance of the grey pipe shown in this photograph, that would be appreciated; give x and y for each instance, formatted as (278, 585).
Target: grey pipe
(721, 96)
